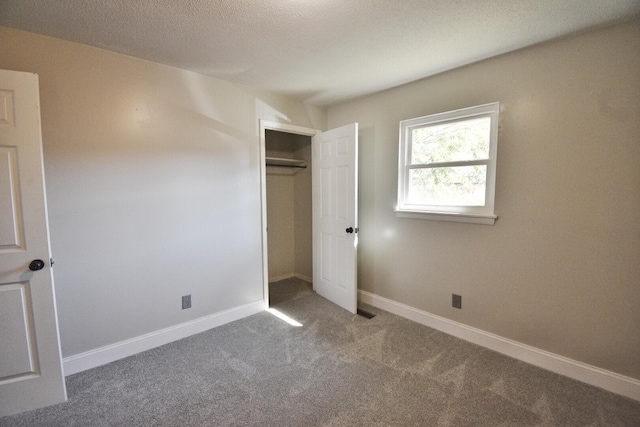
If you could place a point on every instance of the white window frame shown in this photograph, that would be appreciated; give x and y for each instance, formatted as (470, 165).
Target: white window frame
(474, 214)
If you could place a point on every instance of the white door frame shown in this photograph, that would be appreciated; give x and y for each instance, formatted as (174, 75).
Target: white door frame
(280, 127)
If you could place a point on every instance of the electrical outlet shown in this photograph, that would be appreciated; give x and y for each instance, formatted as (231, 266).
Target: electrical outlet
(456, 301)
(186, 301)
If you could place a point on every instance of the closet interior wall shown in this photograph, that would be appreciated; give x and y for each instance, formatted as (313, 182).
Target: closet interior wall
(289, 224)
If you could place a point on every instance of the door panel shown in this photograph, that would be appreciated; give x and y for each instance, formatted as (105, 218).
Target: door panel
(30, 360)
(18, 358)
(11, 232)
(335, 185)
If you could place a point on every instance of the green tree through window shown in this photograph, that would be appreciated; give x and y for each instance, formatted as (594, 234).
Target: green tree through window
(447, 162)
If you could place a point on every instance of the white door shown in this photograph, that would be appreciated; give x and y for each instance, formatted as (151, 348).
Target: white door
(335, 215)
(30, 360)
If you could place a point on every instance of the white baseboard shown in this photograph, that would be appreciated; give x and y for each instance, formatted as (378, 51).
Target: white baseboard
(615, 383)
(103, 355)
(290, 275)
(303, 277)
(281, 277)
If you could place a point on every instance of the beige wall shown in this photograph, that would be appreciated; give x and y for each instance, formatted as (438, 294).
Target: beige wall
(280, 225)
(153, 182)
(560, 270)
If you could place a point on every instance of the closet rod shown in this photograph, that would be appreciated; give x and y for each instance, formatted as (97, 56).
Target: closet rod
(288, 163)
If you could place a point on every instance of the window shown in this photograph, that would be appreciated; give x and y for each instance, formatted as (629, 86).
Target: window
(447, 165)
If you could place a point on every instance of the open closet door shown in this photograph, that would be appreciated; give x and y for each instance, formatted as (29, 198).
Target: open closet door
(30, 361)
(335, 215)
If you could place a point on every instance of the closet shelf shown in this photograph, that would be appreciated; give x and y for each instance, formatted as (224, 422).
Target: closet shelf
(289, 163)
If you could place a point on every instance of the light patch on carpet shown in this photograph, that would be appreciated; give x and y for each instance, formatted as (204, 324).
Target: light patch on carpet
(542, 408)
(284, 317)
(499, 388)
(370, 347)
(455, 376)
(242, 368)
(424, 367)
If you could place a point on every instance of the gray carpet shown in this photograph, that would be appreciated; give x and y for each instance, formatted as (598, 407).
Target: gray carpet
(338, 369)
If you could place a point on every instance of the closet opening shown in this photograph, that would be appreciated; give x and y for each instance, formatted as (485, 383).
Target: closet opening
(287, 210)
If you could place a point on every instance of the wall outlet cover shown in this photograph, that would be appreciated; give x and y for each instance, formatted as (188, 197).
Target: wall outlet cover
(456, 301)
(186, 302)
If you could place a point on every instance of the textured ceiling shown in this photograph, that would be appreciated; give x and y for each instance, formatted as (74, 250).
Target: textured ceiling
(319, 51)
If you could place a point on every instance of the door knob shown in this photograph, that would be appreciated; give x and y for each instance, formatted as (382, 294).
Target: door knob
(36, 264)
(349, 230)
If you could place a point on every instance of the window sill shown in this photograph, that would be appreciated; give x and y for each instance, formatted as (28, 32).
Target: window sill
(449, 216)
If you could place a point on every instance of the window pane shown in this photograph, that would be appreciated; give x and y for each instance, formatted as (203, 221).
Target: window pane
(449, 142)
(456, 186)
